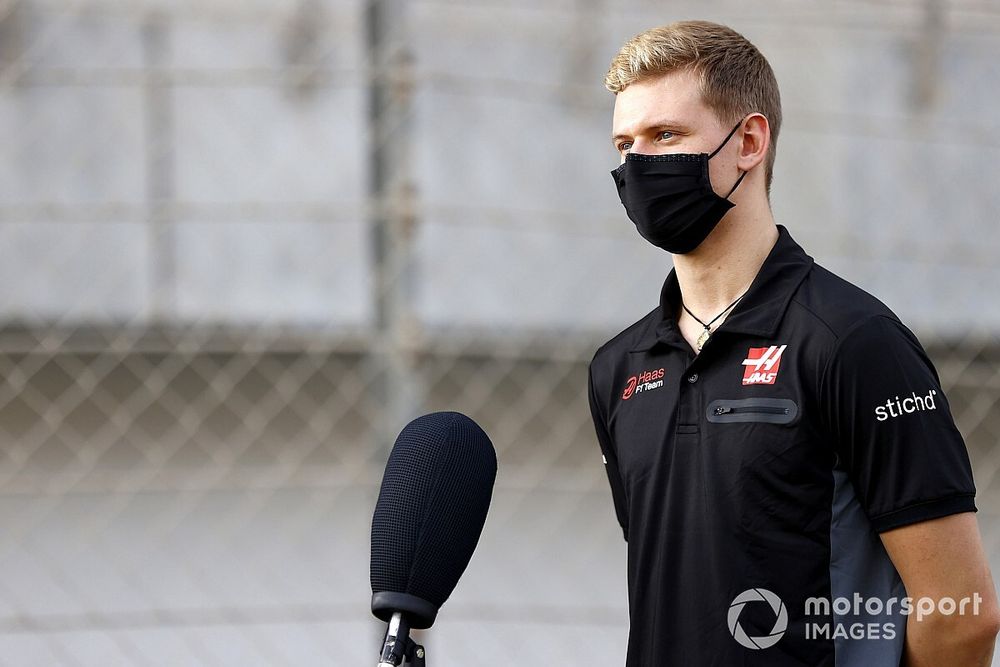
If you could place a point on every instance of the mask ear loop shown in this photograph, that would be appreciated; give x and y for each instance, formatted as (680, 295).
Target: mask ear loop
(724, 142)
(728, 137)
(737, 184)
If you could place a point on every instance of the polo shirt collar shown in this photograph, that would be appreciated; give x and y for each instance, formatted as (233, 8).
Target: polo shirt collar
(758, 313)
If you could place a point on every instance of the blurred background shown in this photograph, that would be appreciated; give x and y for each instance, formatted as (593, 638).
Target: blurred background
(242, 242)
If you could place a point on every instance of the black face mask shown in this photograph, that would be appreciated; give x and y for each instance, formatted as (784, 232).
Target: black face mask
(670, 198)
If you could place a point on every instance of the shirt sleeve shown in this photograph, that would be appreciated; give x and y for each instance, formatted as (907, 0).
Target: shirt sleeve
(609, 456)
(892, 427)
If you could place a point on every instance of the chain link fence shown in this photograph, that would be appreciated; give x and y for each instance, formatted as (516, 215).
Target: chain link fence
(242, 243)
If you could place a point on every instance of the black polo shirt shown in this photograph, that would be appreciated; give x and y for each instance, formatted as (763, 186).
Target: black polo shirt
(751, 481)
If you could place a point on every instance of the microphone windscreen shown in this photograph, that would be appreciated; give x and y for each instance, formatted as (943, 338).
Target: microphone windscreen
(431, 508)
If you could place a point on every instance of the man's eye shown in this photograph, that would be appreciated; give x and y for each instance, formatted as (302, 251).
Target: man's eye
(624, 146)
(666, 134)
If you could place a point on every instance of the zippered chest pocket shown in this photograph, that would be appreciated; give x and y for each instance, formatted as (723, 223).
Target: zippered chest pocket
(766, 410)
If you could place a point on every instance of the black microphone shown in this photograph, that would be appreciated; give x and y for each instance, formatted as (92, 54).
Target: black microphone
(430, 513)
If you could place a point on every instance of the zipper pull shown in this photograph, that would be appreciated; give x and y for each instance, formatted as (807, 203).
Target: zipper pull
(723, 409)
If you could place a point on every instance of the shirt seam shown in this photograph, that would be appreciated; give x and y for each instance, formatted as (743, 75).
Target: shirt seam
(816, 315)
(841, 339)
(919, 503)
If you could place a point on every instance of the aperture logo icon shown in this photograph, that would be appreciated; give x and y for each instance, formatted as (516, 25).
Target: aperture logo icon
(780, 620)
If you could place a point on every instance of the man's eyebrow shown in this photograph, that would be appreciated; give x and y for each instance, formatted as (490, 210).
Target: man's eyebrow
(662, 123)
(616, 138)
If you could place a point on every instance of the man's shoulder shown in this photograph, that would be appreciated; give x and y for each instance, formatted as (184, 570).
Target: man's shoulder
(628, 338)
(838, 304)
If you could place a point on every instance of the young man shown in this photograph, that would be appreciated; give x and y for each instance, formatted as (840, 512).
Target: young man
(782, 460)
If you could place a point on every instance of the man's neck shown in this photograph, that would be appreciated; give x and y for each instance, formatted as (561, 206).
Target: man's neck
(721, 269)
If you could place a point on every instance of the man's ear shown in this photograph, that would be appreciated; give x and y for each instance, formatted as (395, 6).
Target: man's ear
(756, 139)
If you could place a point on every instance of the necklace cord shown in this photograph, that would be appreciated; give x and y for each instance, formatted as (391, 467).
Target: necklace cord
(724, 311)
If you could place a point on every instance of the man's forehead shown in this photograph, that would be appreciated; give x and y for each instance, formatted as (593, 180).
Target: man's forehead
(673, 98)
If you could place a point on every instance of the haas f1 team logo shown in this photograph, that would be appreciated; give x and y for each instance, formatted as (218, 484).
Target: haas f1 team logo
(762, 364)
(644, 381)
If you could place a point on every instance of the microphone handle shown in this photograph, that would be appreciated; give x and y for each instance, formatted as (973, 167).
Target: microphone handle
(396, 636)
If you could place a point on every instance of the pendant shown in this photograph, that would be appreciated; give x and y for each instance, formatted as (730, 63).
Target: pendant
(703, 338)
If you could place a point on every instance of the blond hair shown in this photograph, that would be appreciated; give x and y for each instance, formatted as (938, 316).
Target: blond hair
(736, 78)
